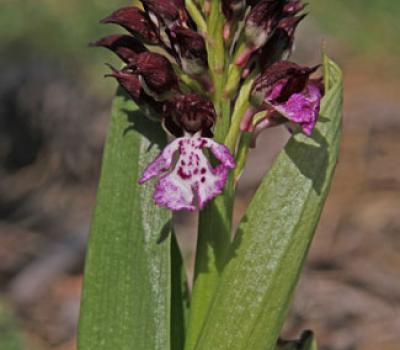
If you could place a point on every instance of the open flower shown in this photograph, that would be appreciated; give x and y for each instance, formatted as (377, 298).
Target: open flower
(190, 181)
(187, 180)
(285, 92)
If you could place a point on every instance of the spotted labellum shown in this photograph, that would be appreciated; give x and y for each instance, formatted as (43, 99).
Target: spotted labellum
(187, 75)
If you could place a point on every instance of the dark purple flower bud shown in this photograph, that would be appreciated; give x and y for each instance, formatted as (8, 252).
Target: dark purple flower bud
(156, 75)
(293, 7)
(261, 21)
(233, 12)
(130, 82)
(233, 8)
(191, 113)
(280, 45)
(125, 46)
(252, 3)
(191, 49)
(166, 11)
(285, 88)
(136, 22)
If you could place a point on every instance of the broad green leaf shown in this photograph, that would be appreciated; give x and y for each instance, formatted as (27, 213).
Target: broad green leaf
(274, 235)
(127, 285)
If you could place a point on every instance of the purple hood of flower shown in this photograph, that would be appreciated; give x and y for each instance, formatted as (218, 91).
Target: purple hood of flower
(190, 113)
(167, 11)
(136, 22)
(126, 47)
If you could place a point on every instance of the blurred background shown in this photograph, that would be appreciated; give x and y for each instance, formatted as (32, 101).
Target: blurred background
(54, 112)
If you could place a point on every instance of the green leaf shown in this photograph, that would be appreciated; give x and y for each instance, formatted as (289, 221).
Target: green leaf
(274, 235)
(127, 284)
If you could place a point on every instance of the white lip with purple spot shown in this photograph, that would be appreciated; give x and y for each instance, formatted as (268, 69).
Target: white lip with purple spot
(191, 181)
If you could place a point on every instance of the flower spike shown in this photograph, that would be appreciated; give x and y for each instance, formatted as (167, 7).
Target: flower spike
(173, 77)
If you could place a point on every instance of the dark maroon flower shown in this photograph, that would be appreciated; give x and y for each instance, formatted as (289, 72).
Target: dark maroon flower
(191, 113)
(191, 49)
(125, 46)
(286, 88)
(156, 74)
(166, 11)
(136, 22)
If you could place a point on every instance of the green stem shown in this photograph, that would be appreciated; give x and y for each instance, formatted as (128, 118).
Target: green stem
(241, 105)
(214, 235)
(215, 220)
(216, 52)
(179, 297)
(241, 158)
(189, 82)
(235, 71)
(196, 15)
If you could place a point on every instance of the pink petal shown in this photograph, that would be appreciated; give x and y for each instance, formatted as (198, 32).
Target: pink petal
(302, 107)
(222, 153)
(161, 164)
(215, 181)
(246, 123)
(173, 194)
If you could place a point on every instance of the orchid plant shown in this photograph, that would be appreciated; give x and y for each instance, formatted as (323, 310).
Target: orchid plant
(201, 80)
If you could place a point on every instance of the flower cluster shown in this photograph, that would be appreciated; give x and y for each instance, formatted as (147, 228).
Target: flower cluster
(167, 73)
